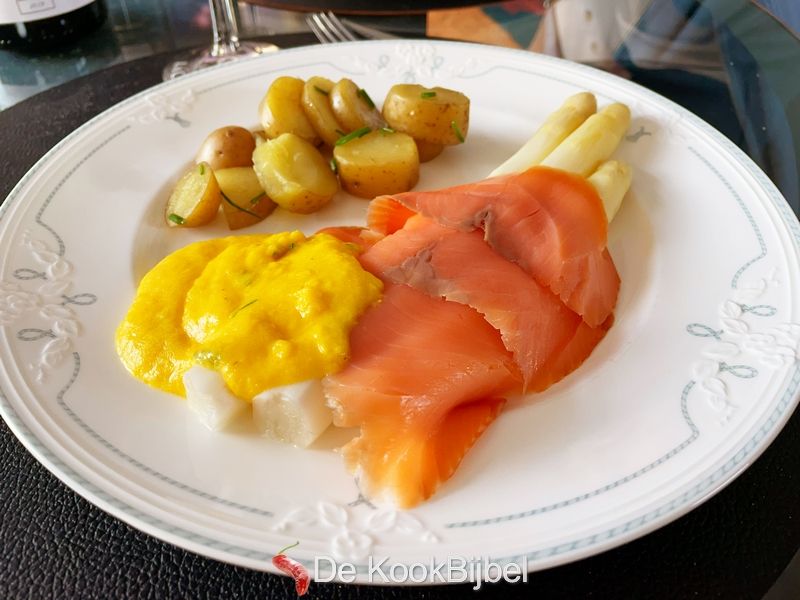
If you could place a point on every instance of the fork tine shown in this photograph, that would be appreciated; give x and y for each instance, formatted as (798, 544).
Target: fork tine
(339, 28)
(320, 30)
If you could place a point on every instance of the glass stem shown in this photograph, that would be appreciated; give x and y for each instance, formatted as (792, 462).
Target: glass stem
(225, 25)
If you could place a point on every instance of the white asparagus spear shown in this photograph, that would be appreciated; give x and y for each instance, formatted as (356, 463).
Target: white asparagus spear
(566, 119)
(611, 180)
(591, 143)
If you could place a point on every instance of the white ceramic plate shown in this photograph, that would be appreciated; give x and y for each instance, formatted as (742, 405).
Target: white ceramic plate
(696, 377)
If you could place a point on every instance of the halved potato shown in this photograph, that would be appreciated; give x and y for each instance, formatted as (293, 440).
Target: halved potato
(281, 110)
(227, 147)
(294, 173)
(353, 107)
(435, 115)
(428, 151)
(317, 104)
(380, 162)
(195, 199)
(244, 201)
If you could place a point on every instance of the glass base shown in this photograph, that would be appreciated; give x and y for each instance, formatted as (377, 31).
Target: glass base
(201, 59)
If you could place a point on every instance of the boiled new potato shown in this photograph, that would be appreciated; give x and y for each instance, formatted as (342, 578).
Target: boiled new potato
(281, 110)
(294, 173)
(195, 199)
(380, 162)
(353, 107)
(435, 115)
(428, 151)
(227, 147)
(317, 105)
(244, 201)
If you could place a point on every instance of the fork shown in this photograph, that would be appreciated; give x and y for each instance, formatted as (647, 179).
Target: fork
(329, 29)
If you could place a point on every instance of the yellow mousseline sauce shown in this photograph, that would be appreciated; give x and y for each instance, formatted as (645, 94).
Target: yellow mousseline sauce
(262, 310)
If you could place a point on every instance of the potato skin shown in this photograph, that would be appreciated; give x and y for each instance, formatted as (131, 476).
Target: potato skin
(380, 162)
(434, 115)
(195, 199)
(244, 201)
(351, 108)
(294, 174)
(281, 110)
(428, 151)
(227, 147)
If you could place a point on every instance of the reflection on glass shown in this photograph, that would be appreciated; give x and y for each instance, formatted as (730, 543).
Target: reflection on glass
(226, 44)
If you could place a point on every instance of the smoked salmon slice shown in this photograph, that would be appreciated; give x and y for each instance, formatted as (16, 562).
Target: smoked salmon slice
(405, 467)
(414, 360)
(570, 356)
(461, 267)
(549, 222)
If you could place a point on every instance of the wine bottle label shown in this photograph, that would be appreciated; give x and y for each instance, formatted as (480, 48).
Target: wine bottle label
(25, 11)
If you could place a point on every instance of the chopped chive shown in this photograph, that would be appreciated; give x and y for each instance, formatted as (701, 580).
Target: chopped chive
(387, 130)
(202, 169)
(427, 95)
(241, 308)
(340, 132)
(365, 97)
(457, 131)
(321, 91)
(233, 204)
(334, 166)
(177, 219)
(353, 135)
(257, 199)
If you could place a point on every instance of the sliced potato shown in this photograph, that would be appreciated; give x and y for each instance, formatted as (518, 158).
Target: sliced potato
(555, 129)
(294, 173)
(195, 199)
(227, 147)
(380, 162)
(353, 107)
(436, 115)
(281, 110)
(428, 151)
(317, 104)
(244, 201)
(591, 143)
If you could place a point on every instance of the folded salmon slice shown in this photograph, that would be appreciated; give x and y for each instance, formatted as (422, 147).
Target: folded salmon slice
(403, 467)
(414, 360)
(549, 222)
(461, 267)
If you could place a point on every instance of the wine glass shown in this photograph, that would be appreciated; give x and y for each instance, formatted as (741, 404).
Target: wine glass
(226, 45)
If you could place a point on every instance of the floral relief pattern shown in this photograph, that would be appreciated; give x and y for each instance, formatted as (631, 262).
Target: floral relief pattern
(411, 63)
(164, 107)
(43, 294)
(737, 337)
(352, 528)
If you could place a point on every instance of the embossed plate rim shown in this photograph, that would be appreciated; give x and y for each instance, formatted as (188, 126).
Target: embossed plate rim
(110, 503)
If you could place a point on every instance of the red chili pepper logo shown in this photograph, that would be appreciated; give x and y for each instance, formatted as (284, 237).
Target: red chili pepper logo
(293, 568)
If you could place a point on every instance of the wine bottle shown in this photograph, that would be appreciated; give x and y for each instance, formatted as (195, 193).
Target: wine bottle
(44, 24)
